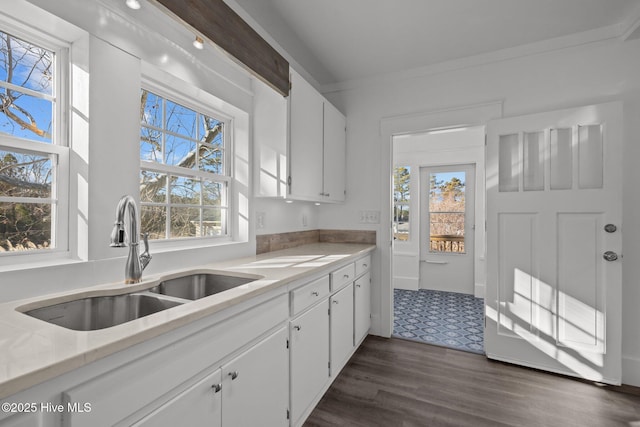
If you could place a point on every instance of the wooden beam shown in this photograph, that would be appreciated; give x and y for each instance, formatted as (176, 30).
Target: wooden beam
(215, 20)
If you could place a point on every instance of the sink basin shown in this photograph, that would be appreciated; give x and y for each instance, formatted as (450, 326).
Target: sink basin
(90, 314)
(196, 286)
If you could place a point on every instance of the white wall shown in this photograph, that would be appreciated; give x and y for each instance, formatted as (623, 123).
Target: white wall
(569, 77)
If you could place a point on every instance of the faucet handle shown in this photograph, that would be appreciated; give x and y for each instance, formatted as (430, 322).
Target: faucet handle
(145, 240)
(145, 257)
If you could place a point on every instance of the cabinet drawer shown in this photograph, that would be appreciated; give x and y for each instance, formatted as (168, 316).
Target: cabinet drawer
(363, 265)
(343, 276)
(307, 295)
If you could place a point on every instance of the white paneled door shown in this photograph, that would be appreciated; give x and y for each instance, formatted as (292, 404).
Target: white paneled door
(554, 199)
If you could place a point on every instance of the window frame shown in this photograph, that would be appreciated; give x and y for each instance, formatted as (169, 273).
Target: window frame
(203, 108)
(58, 149)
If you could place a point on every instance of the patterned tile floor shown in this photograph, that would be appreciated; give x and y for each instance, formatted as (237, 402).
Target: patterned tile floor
(447, 319)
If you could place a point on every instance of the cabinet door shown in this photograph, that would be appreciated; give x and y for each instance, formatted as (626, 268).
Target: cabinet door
(309, 357)
(362, 307)
(255, 385)
(341, 328)
(199, 405)
(305, 145)
(270, 124)
(335, 154)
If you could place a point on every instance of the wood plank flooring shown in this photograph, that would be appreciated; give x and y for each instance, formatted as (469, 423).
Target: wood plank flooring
(394, 382)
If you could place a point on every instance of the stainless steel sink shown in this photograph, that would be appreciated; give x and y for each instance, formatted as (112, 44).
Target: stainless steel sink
(196, 286)
(89, 314)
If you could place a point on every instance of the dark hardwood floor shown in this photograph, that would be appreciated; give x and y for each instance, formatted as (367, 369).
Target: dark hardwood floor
(393, 382)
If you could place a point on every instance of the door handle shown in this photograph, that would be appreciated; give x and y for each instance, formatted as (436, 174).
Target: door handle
(233, 375)
(216, 388)
(610, 256)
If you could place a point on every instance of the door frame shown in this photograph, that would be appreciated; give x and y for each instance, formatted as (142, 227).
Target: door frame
(472, 115)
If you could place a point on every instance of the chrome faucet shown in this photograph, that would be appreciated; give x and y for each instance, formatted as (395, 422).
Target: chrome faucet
(135, 264)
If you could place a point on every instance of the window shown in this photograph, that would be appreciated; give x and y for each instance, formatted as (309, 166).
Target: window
(185, 175)
(401, 198)
(32, 158)
(447, 211)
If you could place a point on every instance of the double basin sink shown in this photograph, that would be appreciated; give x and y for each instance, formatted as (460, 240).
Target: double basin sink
(99, 312)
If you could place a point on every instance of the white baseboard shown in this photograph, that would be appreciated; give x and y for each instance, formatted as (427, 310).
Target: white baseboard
(478, 290)
(409, 283)
(631, 371)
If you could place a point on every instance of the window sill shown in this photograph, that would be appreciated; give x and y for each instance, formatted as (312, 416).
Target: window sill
(164, 246)
(33, 261)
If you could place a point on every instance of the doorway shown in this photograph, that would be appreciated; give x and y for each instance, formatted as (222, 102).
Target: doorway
(435, 246)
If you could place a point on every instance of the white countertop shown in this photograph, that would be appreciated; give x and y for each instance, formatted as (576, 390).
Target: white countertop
(33, 351)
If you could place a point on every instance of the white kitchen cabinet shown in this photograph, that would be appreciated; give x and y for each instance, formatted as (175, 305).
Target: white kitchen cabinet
(362, 307)
(306, 126)
(317, 145)
(309, 358)
(255, 385)
(199, 405)
(341, 328)
(334, 154)
(270, 136)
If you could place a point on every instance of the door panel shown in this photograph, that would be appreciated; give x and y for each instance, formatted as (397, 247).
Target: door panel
(447, 228)
(553, 183)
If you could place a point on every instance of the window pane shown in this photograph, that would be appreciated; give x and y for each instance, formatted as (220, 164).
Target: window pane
(26, 65)
(211, 159)
(153, 187)
(213, 222)
(25, 116)
(153, 220)
(151, 110)
(180, 120)
(213, 193)
(180, 152)
(25, 226)
(150, 145)
(25, 175)
(401, 222)
(185, 222)
(446, 212)
(185, 190)
(210, 130)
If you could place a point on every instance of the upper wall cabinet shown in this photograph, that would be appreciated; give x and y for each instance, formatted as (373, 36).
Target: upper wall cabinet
(317, 145)
(270, 135)
(299, 143)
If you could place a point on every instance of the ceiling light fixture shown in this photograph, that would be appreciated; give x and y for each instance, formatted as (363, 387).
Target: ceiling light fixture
(198, 43)
(133, 4)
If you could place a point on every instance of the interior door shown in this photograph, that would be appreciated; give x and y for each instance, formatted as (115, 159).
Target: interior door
(553, 297)
(447, 228)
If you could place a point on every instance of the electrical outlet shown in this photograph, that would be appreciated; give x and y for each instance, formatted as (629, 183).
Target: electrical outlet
(369, 217)
(260, 220)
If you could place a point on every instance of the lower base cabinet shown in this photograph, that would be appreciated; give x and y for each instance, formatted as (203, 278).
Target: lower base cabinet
(309, 358)
(250, 390)
(362, 307)
(255, 385)
(341, 328)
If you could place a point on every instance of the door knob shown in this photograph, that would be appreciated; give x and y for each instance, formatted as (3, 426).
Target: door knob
(216, 387)
(233, 375)
(610, 228)
(610, 256)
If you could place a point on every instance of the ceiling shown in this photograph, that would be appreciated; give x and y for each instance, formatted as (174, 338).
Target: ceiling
(344, 40)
